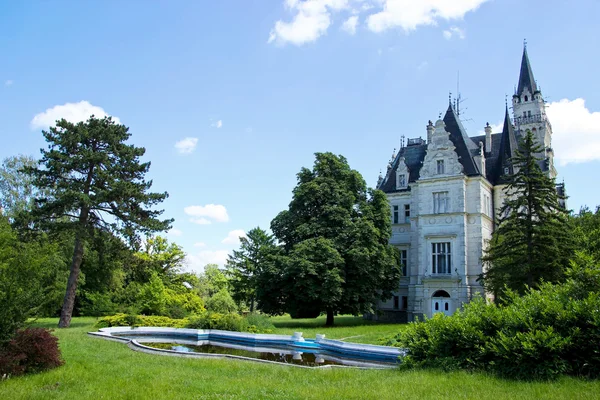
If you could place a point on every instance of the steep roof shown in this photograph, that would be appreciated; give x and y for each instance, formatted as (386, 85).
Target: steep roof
(463, 143)
(526, 78)
(508, 145)
(413, 157)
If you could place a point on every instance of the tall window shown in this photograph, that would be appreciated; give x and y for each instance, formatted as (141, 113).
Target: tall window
(487, 205)
(441, 258)
(441, 202)
(395, 215)
(404, 262)
(440, 167)
(407, 213)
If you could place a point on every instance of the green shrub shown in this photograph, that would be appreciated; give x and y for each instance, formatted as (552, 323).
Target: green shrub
(152, 299)
(259, 323)
(140, 320)
(211, 320)
(544, 334)
(221, 302)
(182, 304)
(96, 304)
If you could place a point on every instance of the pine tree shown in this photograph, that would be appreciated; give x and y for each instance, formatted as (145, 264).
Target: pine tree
(245, 264)
(532, 241)
(94, 180)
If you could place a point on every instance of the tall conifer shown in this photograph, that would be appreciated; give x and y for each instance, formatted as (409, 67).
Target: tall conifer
(532, 241)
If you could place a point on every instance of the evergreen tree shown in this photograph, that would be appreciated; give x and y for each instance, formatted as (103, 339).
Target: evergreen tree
(245, 264)
(335, 255)
(94, 180)
(532, 241)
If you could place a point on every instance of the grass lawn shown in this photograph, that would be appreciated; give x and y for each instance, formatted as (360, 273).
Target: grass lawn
(99, 369)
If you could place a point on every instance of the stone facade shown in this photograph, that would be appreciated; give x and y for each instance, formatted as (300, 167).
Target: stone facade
(444, 194)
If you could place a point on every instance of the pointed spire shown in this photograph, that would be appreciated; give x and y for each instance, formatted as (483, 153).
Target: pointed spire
(526, 78)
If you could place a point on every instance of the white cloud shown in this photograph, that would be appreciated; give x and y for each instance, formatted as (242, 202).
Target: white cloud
(199, 244)
(422, 65)
(196, 262)
(72, 112)
(234, 237)
(454, 31)
(350, 25)
(496, 128)
(217, 124)
(187, 145)
(311, 20)
(408, 15)
(174, 232)
(8, 82)
(216, 212)
(576, 131)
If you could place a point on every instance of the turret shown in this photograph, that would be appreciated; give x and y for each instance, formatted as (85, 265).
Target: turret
(430, 129)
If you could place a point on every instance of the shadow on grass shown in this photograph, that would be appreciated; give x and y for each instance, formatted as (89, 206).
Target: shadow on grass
(319, 322)
(52, 323)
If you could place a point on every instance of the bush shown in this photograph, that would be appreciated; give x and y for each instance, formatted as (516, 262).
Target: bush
(97, 304)
(152, 299)
(541, 335)
(30, 350)
(211, 320)
(259, 323)
(180, 305)
(221, 302)
(140, 320)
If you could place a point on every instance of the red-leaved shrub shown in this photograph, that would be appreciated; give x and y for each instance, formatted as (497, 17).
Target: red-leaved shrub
(30, 350)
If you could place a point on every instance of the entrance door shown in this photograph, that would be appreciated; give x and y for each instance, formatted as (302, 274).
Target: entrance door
(441, 303)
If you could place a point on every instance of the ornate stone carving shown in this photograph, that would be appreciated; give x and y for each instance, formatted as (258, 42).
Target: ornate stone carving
(441, 149)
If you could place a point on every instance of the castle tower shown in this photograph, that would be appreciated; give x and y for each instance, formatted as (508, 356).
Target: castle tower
(529, 111)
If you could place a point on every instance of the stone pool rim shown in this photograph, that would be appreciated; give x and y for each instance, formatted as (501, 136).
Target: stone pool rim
(381, 357)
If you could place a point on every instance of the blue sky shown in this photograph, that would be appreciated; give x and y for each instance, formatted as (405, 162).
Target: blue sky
(252, 89)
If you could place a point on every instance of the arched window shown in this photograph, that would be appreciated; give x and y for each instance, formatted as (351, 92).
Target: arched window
(441, 293)
(526, 98)
(437, 306)
(446, 307)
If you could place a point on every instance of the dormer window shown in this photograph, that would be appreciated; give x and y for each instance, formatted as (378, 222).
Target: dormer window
(506, 170)
(440, 167)
(401, 181)
(526, 98)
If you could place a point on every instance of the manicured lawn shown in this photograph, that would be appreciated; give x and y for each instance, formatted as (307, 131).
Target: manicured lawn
(99, 369)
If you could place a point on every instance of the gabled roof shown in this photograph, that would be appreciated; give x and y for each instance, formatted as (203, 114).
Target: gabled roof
(526, 77)
(463, 143)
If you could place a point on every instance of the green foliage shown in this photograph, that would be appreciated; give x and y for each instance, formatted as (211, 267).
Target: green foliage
(331, 211)
(140, 320)
(259, 323)
(213, 320)
(152, 298)
(24, 270)
(97, 304)
(31, 350)
(221, 302)
(182, 303)
(246, 264)
(211, 281)
(157, 255)
(94, 180)
(545, 333)
(533, 241)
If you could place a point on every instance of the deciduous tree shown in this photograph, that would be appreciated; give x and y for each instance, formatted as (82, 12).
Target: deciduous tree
(335, 253)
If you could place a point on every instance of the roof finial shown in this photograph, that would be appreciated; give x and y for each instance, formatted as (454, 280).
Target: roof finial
(505, 100)
(525, 44)
(450, 98)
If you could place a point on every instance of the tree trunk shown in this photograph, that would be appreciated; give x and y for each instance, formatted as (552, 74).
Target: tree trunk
(252, 304)
(69, 302)
(329, 321)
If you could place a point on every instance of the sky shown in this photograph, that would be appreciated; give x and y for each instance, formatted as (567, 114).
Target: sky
(232, 98)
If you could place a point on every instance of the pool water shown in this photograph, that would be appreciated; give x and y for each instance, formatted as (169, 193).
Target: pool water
(281, 355)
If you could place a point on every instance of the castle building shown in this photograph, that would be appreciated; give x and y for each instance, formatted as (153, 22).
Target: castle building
(444, 194)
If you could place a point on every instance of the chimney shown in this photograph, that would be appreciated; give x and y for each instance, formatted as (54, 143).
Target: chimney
(488, 138)
(430, 130)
